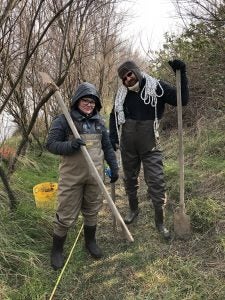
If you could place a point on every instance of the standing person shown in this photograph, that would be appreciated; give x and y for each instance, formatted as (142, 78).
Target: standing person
(78, 189)
(139, 104)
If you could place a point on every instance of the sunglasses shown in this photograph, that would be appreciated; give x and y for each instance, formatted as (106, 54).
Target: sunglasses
(87, 102)
(129, 74)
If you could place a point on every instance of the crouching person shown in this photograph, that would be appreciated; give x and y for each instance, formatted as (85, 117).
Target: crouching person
(78, 189)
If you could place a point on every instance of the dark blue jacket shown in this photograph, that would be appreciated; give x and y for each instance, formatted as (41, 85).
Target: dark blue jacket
(58, 141)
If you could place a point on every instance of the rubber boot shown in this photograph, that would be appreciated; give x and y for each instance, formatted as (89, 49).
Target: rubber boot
(159, 223)
(57, 259)
(134, 211)
(131, 215)
(90, 241)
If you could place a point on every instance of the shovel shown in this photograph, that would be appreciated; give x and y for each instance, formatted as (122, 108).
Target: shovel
(182, 225)
(113, 196)
(47, 79)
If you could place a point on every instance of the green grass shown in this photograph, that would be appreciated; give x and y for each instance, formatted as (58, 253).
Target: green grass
(149, 268)
(36, 170)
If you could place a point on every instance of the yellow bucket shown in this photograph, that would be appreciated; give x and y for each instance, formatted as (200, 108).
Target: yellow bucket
(45, 194)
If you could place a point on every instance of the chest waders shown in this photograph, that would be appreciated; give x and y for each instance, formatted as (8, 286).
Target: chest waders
(139, 145)
(78, 189)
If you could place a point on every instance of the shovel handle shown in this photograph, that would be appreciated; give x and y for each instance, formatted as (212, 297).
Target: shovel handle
(93, 169)
(180, 138)
(113, 196)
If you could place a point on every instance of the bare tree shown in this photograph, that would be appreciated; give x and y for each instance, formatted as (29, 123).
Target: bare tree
(59, 60)
(11, 196)
(6, 8)
(201, 46)
(202, 10)
(58, 37)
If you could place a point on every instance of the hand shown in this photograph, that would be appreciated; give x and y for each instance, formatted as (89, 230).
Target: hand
(114, 177)
(76, 143)
(177, 64)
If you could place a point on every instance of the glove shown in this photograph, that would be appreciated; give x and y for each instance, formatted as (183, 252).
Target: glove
(114, 177)
(108, 172)
(177, 64)
(76, 143)
(111, 175)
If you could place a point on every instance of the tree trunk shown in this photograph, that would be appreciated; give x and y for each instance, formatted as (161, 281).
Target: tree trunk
(12, 199)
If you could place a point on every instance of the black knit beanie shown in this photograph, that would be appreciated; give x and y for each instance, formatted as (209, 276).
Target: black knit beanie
(127, 66)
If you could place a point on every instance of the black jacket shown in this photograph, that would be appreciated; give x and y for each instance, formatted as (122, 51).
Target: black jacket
(135, 109)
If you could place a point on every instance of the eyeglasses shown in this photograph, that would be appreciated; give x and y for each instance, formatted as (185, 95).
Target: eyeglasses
(87, 102)
(129, 74)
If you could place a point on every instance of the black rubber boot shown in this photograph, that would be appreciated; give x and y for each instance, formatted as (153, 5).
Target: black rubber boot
(134, 211)
(57, 259)
(130, 217)
(90, 241)
(159, 223)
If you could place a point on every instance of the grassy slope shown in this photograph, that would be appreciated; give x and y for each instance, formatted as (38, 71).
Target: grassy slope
(149, 268)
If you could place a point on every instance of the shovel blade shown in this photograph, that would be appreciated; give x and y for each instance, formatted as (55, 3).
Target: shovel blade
(46, 79)
(182, 225)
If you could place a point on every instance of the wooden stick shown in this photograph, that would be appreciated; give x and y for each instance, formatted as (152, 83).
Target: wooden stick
(47, 79)
(180, 137)
(113, 196)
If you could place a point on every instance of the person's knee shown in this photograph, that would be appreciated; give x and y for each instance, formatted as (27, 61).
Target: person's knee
(90, 219)
(60, 231)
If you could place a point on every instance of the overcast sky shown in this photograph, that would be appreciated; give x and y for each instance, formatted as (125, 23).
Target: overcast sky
(150, 20)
